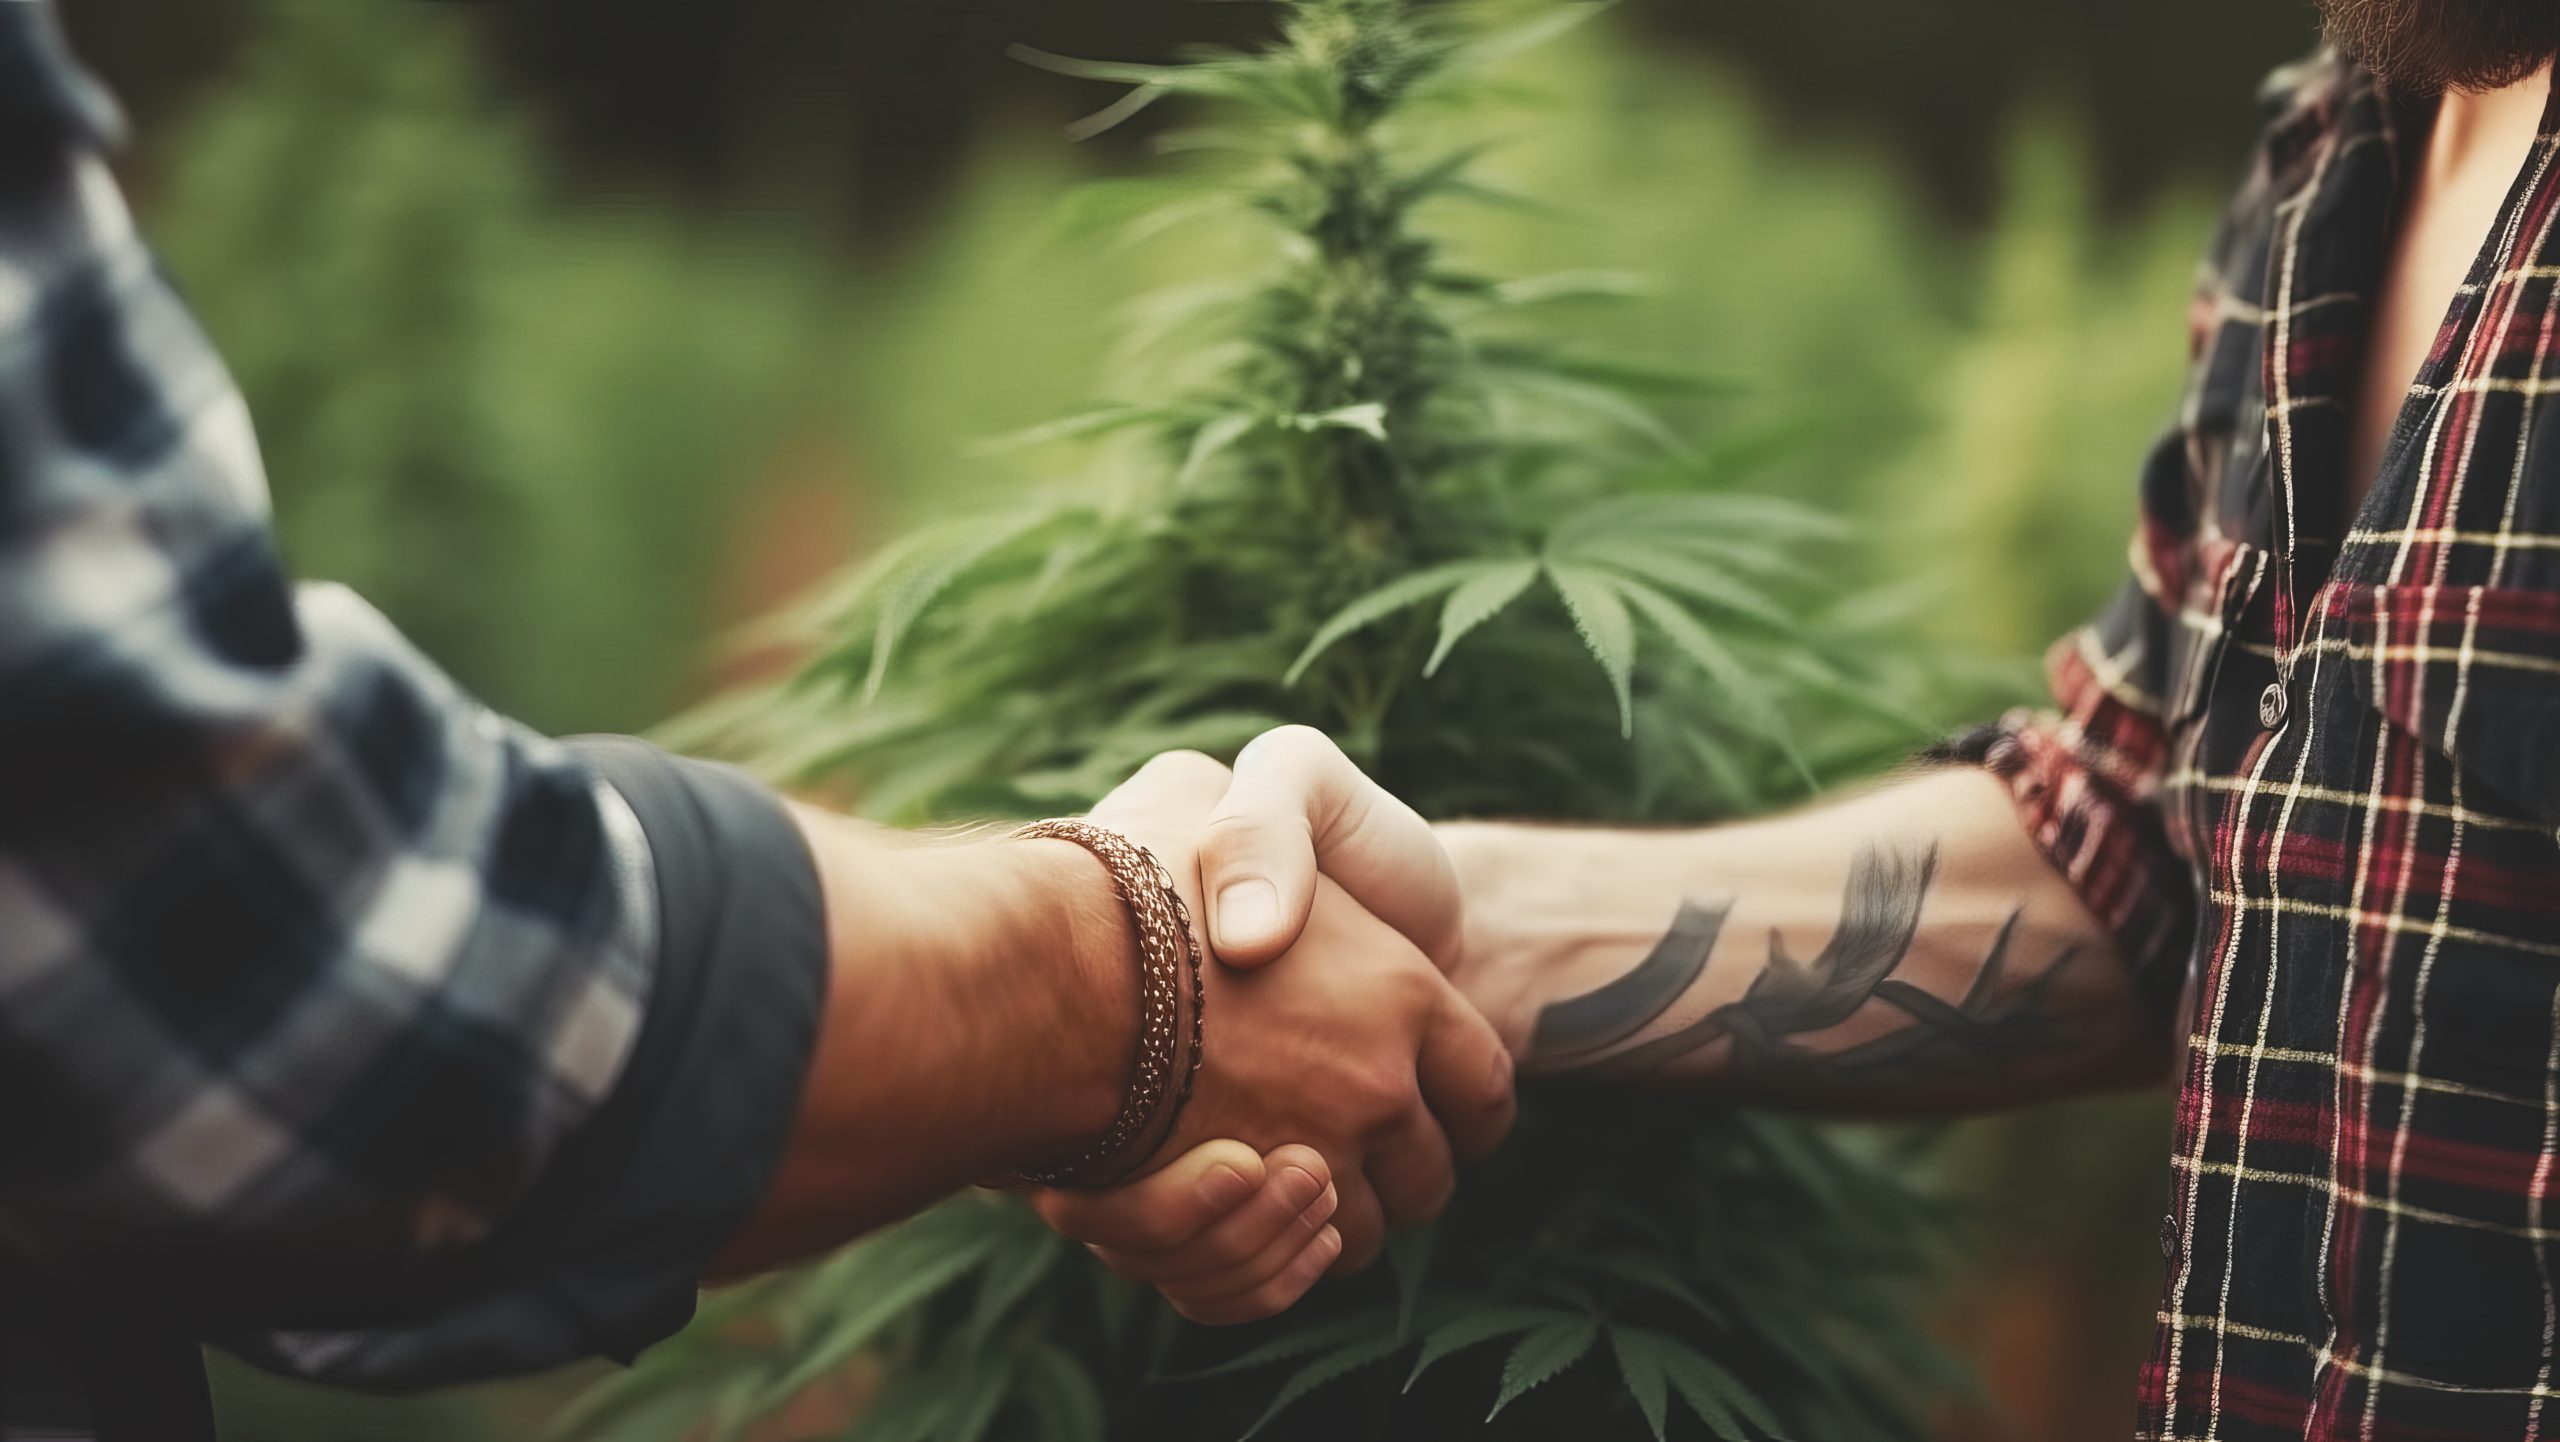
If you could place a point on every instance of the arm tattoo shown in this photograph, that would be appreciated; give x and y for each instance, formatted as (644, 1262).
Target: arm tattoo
(1791, 1001)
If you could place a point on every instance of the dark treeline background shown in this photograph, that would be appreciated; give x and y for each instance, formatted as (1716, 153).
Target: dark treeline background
(867, 103)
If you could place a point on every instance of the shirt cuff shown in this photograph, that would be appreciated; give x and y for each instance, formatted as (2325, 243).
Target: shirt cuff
(2112, 850)
(605, 1257)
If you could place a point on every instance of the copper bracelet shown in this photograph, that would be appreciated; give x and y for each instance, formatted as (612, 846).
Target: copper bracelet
(1169, 985)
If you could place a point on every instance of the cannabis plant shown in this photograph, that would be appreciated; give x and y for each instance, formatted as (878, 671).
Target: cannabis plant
(1376, 495)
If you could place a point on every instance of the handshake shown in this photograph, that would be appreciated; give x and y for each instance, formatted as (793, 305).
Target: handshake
(1344, 1068)
(1369, 981)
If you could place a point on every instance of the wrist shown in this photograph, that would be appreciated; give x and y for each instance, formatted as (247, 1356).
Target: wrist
(1553, 911)
(1088, 987)
(977, 1022)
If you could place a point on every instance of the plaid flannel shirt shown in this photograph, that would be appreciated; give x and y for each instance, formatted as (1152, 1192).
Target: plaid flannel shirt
(2342, 750)
(340, 1019)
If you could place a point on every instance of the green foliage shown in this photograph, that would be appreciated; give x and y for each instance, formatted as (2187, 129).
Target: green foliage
(1387, 500)
(508, 422)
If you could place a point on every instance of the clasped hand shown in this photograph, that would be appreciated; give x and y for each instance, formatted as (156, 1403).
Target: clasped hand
(1343, 1073)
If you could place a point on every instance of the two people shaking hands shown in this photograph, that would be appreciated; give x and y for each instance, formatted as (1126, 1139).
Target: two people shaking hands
(1375, 982)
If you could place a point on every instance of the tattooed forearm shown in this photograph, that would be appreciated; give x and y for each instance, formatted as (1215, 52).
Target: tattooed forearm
(1777, 1027)
(1597, 1020)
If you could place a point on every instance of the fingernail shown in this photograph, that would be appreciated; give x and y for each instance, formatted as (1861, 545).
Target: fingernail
(1322, 1251)
(1502, 1072)
(1299, 1188)
(1224, 1187)
(1248, 911)
(1323, 1206)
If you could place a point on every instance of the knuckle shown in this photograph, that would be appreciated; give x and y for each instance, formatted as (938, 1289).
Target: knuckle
(1419, 991)
(1168, 766)
(1379, 1097)
(1295, 741)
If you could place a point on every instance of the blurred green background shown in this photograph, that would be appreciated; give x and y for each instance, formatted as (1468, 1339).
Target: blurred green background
(579, 334)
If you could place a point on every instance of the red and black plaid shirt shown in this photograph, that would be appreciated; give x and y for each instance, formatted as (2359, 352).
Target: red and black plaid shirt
(2339, 754)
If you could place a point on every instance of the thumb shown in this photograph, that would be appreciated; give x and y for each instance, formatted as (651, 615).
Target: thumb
(1297, 806)
(1162, 1209)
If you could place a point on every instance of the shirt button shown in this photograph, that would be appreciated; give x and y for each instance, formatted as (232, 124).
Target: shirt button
(2169, 1238)
(2271, 705)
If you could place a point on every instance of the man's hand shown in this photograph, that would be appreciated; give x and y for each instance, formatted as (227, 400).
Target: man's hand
(1296, 807)
(1227, 1234)
(1349, 1043)
(980, 1018)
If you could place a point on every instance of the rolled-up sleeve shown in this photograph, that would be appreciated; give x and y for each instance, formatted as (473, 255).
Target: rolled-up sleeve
(2086, 776)
(340, 1017)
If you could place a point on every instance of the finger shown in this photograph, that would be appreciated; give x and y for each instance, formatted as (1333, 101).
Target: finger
(1163, 1209)
(1261, 1268)
(1272, 1297)
(1277, 1251)
(1297, 1184)
(1466, 1078)
(1361, 1222)
(1177, 784)
(1411, 1168)
(1297, 806)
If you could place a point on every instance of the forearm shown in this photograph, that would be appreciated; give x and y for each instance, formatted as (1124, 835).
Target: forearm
(1905, 950)
(980, 1018)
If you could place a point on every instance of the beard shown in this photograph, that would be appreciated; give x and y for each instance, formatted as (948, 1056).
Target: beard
(2419, 46)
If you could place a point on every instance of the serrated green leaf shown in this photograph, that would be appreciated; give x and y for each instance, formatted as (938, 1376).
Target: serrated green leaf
(1385, 601)
(1540, 1355)
(1601, 619)
(1709, 583)
(1533, 377)
(1323, 1371)
(925, 577)
(1734, 682)
(1452, 1337)
(1647, 1273)
(1299, 1340)
(1640, 1365)
(1716, 1395)
(1476, 602)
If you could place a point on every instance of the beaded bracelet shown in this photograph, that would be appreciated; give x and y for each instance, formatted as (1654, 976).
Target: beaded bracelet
(1168, 956)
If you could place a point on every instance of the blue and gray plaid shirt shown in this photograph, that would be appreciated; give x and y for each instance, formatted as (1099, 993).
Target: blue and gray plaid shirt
(342, 1021)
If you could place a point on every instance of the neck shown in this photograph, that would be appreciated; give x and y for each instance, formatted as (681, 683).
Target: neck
(2466, 120)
